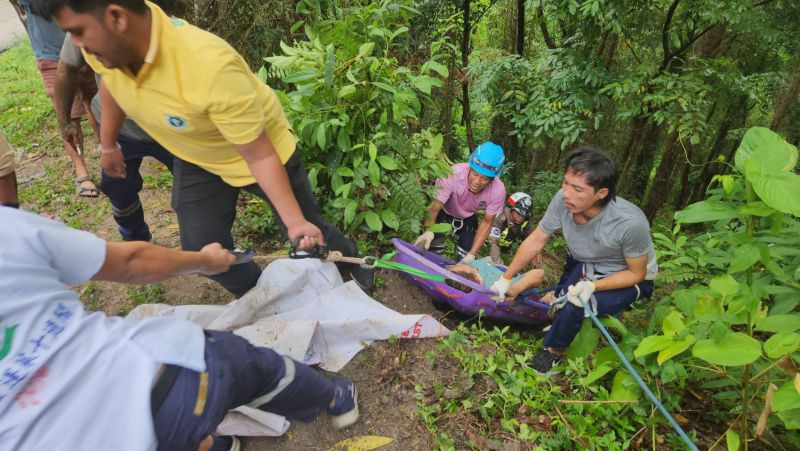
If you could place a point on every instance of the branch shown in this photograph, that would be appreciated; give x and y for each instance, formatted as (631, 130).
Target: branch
(665, 35)
(548, 40)
(694, 39)
(756, 5)
(478, 18)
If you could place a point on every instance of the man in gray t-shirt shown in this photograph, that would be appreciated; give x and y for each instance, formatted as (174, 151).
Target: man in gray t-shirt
(134, 145)
(611, 255)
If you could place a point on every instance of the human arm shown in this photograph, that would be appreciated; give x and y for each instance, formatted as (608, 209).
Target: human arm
(433, 212)
(527, 251)
(267, 168)
(531, 279)
(141, 262)
(484, 227)
(632, 275)
(111, 159)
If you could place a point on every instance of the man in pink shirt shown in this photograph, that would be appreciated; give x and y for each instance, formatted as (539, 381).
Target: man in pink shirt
(472, 187)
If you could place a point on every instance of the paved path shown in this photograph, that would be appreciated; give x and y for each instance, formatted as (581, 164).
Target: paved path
(11, 28)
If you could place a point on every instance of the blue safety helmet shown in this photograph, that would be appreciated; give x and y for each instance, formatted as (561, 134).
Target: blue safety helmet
(488, 159)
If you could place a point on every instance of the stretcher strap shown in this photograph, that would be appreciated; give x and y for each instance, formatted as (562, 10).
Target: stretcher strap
(386, 262)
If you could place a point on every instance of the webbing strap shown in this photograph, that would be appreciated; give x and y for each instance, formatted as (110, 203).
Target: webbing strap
(386, 262)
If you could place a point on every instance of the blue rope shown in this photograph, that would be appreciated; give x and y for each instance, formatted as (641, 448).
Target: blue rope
(636, 376)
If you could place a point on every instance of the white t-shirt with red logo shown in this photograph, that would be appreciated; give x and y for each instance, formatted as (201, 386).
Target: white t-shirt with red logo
(460, 202)
(72, 379)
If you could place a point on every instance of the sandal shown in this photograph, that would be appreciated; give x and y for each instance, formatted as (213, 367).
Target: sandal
(83, 191)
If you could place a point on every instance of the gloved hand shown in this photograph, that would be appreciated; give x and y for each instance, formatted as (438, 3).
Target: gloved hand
(424, 241)
(468, 258)
(501, 287)
(580, 293)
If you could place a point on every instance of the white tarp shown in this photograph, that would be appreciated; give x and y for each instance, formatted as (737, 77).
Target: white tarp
(300, 308)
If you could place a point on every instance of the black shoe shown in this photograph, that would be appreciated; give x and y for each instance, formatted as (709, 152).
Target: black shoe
(345, 406)
(544, 361)
(364, 277)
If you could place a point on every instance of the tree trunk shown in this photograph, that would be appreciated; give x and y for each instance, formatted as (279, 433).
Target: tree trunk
(466, 116)
(660, 188)
(638, 161)
(520, 27)
(785, 102)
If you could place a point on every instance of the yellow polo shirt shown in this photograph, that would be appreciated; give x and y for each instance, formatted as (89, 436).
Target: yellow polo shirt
(197, 97)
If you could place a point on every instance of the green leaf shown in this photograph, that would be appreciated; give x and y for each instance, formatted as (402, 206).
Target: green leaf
(624, 387)
(781, 344)
(439, 68)
(585, 342)
(344, 171)
(385, 87)
(301, 75)
(766, 148)
(757, 208)
(732, 440)
(350, 211)
(322, 139)
(707, 210)
(790, 418)
(373, 221)
(346, 91)
(601, 370)
(442, 227)
(780, 191)
(673, 324)
(425, 82)
(779, 323)
(612, 322)
(707, 306)
(786, 398)
(374, 173)
(373, 151)
(724, 285)
(390, 219)
(343, 140)
(744, 257)
(735, 349)
(651, 344)
(674, 349)
(387, 162)
(366, 49)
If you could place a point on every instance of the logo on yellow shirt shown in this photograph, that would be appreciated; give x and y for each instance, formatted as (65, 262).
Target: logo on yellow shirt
(176, 122)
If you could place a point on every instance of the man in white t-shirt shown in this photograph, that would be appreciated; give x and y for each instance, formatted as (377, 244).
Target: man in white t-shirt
(72, 379)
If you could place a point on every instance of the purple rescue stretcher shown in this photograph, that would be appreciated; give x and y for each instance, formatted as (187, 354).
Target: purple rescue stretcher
(526, 309)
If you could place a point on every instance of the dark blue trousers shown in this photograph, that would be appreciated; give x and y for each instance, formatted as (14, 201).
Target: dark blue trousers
(238, 374)
(568, 320)
(465, 236)
(124, 193)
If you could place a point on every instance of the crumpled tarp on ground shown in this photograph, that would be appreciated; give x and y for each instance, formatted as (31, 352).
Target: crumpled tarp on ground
(300, 308)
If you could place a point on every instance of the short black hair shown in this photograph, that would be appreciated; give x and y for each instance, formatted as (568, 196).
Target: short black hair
(598, 168)
(49, 8)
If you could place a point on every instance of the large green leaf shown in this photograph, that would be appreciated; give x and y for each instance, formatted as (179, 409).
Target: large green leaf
(585, 342)
(707, 210)
(732, 440)
(673, 324)
(707, 307)
(597, 373)
(786, 398)
(768, 149)
(781, 344)
(790, 418)
(373, 221)
(734, 350)
(780, 191)
(624, 387)
(779, 323)
(674, 349)
(651, 344)
(744, 257)
(390, 219)
(724, 285)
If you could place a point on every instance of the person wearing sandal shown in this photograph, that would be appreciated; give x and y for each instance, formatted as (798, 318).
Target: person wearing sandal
(133, 142)
(46, 40)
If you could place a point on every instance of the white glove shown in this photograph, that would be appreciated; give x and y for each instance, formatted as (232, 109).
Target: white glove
(580, 293)
(501, 287)
(468, 258)
(424, 241)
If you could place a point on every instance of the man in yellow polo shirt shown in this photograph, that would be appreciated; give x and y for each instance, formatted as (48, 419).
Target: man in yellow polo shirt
(8, 179)
(196, 96)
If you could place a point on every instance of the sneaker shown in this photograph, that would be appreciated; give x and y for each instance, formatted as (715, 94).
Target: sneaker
(226, 443)
(345, 405)
(364, 277)
(544, 361)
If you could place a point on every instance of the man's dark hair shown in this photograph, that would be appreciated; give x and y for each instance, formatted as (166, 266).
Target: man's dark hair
(49, 8)
(598, 168)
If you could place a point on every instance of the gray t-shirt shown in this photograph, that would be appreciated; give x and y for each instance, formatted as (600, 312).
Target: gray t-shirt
(620, 230)
(72, 56)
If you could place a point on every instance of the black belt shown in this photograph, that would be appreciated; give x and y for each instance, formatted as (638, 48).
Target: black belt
(162, 387)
